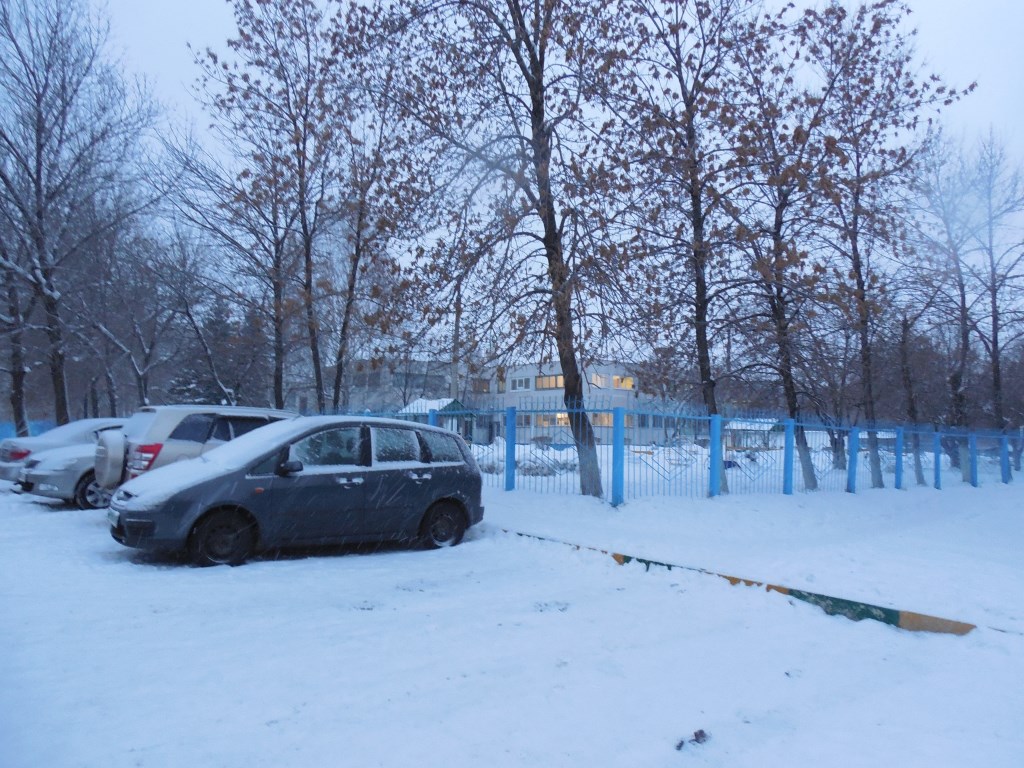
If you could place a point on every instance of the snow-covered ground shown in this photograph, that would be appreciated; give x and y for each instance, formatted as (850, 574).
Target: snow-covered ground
(510, 651)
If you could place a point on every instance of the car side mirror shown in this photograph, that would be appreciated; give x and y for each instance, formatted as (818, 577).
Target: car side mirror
(290, 467)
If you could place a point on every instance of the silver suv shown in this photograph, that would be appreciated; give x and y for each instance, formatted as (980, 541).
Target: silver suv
(157, 435)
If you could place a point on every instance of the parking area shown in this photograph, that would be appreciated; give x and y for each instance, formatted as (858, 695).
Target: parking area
(503, 651)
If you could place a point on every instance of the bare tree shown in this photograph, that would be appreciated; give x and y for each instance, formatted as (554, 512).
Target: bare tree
(146, 333)
(380, 202)
(945, 228)
(781, 141)
(999, 239)
(69, 130)
(878, 102)
(280, 91)
(669, 85)
(497, 84)
(249, 216)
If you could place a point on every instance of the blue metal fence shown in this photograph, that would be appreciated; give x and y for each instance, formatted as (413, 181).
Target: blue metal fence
(649, 451)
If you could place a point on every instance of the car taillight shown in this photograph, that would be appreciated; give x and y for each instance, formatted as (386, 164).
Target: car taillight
(142, 458)
(17, 454)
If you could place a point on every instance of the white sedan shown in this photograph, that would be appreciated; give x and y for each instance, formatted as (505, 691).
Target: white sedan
(66, 474)
(15, 451)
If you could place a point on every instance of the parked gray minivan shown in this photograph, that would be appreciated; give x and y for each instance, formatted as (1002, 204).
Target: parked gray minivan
(308, 480)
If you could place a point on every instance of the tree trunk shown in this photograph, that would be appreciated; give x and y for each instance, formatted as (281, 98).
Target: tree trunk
(778, 306)
(699, 262)
(56, 358)
(341, 357)
(19, 413)
(453, 388)
(838, 445)
(278, 341)
(313, 334)
(997, 364)
(906, 376)
(558, 276)
(958, 394)
(866, 362)
(93, 399)
(108, 376)
(915, 441)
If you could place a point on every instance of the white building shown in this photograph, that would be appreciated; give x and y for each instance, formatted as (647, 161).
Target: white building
(536, 392)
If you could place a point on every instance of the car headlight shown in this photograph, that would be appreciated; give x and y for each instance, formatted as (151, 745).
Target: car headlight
(123, 496)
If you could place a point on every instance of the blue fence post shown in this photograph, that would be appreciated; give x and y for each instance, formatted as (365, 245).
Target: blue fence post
(853, 448)
(715, 470)
(899, 458)
(618, 456)
(937, 450)
(1004, 459)
(432, 417)
(972, 449)
(510, 448)
(787, 457)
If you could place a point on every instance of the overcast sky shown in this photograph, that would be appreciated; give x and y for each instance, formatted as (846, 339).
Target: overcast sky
(962, 40)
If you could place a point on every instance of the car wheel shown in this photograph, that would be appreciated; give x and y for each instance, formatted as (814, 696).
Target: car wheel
(225, 537)
(443, 525)
(89, 494)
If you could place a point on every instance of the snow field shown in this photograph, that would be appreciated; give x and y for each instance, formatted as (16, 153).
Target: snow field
(507, 651)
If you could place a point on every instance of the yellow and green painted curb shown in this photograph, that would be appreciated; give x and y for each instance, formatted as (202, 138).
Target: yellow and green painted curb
(834, 606)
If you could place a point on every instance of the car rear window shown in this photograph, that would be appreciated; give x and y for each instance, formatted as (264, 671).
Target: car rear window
(138, 425)
(442, 447)
(194, 428)
(221, 430)
(241, 425)
(395, 445)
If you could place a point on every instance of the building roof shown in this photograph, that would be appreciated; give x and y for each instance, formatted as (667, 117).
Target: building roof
(422, 405)
(751, 426)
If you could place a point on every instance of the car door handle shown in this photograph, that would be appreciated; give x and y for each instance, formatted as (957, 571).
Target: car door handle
(347, 481)
(420, 476)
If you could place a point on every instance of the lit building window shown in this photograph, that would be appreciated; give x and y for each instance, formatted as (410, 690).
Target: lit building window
(622, 382)
(552, 420)
(551, 382)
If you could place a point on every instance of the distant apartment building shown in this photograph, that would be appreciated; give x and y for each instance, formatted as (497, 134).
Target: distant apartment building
(536, 392)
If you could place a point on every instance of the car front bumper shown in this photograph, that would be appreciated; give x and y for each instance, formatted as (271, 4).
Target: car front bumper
(132, 533)
(155, 531)
(53, 485)
(9, 469)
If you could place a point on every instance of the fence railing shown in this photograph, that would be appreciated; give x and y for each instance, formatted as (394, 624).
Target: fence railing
(653, 453)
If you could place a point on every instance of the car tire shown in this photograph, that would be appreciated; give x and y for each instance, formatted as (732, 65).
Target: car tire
(89, 494)
(443, 526)
(223, 537)
(111, 446)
